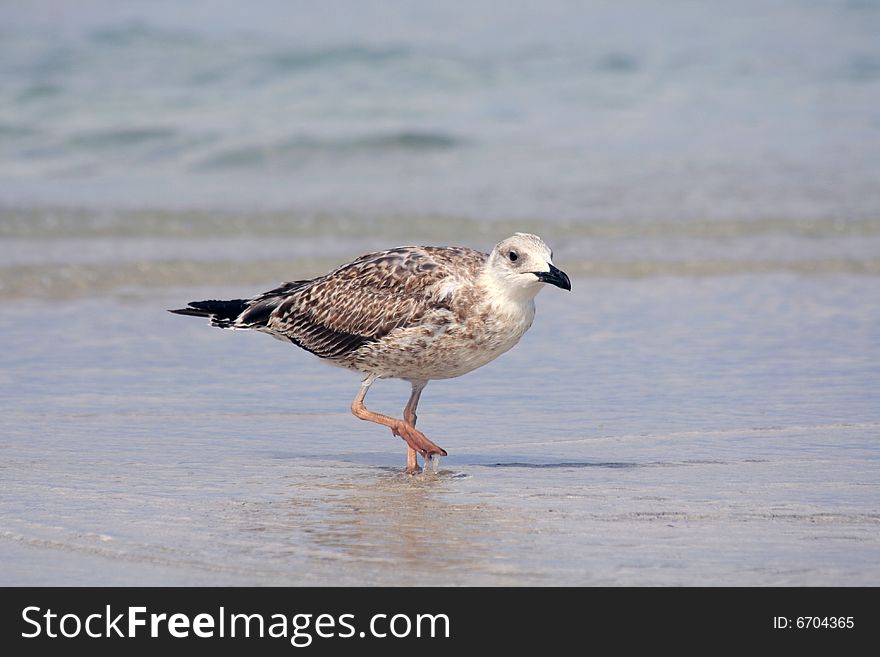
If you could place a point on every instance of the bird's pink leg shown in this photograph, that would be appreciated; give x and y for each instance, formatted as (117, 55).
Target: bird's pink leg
(410, 417)
(415, 439)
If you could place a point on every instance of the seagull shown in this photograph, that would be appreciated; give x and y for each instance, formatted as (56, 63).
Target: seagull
(416, 313)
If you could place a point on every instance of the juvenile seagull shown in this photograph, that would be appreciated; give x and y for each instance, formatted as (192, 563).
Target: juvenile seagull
(415, 313)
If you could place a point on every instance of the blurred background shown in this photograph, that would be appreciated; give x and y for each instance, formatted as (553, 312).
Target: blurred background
(153, 143)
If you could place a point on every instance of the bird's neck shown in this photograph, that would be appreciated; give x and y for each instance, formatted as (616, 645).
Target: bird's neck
(507, 298)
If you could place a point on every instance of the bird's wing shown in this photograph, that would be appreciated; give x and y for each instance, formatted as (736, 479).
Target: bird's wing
(364, 300)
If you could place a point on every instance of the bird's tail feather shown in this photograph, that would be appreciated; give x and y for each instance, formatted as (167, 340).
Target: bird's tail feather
(221, 313)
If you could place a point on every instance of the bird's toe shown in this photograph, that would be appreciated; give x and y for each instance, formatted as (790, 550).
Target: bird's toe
(417, 440)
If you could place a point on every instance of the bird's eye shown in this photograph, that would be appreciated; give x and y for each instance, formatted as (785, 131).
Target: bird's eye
(513, 256)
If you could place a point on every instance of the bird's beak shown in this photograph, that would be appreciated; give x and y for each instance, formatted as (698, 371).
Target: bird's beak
(555, 277)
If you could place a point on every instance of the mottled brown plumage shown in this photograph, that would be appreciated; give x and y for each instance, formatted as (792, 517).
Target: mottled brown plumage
(361, 302)
(415, 313)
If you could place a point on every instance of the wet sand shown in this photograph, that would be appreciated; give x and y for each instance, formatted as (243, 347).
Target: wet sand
(666, 430)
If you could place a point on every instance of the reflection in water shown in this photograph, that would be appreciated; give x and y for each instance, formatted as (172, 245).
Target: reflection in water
(404, 530)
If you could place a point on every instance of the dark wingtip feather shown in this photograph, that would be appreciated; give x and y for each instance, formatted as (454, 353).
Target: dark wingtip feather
(194, 312)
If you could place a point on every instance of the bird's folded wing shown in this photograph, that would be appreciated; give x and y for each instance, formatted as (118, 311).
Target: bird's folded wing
(366, 299)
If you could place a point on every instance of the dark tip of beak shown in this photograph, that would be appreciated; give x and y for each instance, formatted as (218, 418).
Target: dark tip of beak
(555, 277)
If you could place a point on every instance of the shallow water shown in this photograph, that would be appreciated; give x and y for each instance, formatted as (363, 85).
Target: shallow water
(658, 430)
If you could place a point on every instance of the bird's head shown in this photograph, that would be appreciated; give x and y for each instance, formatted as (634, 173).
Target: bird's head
(522, 263)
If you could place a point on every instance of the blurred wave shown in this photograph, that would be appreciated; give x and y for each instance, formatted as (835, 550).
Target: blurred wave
(296, 152)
